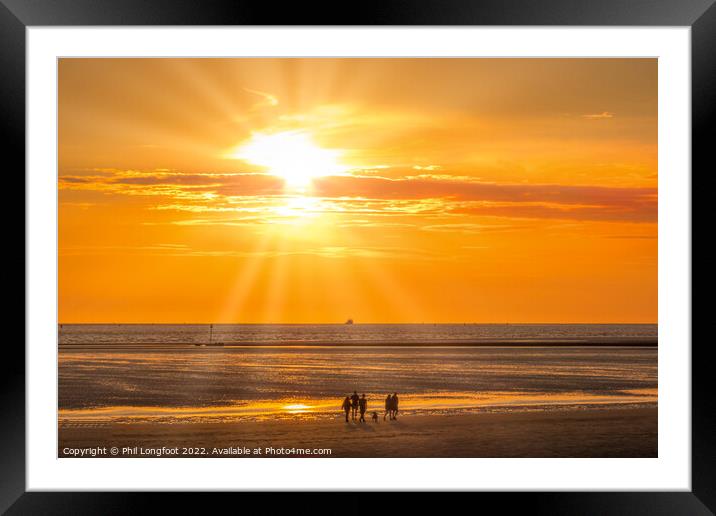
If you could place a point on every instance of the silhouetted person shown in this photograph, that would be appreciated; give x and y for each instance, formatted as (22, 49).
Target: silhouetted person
(388, 405)
(347, 406)
(354, 404)
(375, 417)
(395, 405)
(363, 405)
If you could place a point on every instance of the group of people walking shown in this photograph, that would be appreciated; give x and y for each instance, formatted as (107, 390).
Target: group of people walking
(353, 405)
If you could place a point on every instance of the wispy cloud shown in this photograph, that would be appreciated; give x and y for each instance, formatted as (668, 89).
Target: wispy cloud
(182, 250)
(471, 228)
(632, 237)
(263, 194)
(637, 212)
(268, 99)
(599, 116)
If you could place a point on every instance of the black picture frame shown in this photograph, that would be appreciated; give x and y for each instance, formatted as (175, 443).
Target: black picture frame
(17, 15)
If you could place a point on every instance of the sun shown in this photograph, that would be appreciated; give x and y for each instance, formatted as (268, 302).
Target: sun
(292, 155)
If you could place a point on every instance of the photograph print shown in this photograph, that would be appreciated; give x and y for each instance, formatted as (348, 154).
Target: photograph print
(357, 257)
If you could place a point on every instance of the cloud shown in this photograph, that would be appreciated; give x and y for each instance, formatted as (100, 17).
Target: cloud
(236, 222)
(453, 228)
(599, 116)
(382, 224)
(172, 183)
(80, 205)
(470, 228)
(182, 250)
(632, 237)
(640, 212)
(424, 188)
(112, 249)
(269, 100)
(376, 195)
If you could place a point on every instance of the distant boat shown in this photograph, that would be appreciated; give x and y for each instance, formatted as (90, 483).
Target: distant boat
(349, 321)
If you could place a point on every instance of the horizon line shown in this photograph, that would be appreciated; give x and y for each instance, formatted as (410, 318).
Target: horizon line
(358, 323)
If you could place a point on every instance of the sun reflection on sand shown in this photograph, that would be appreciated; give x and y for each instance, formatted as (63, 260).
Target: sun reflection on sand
(297, 408)
(434, 403)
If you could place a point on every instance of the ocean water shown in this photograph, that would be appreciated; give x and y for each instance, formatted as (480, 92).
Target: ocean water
(124, 373)
(334, 334)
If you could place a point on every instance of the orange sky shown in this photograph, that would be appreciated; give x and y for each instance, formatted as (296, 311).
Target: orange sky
(387, 190)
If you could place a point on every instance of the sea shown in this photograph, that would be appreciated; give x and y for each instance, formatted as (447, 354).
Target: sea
(125, 373)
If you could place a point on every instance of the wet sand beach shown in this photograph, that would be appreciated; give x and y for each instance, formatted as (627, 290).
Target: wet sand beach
(593, 432)
(455, 401)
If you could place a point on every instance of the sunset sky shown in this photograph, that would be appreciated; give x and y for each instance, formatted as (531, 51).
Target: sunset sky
(386, 190)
